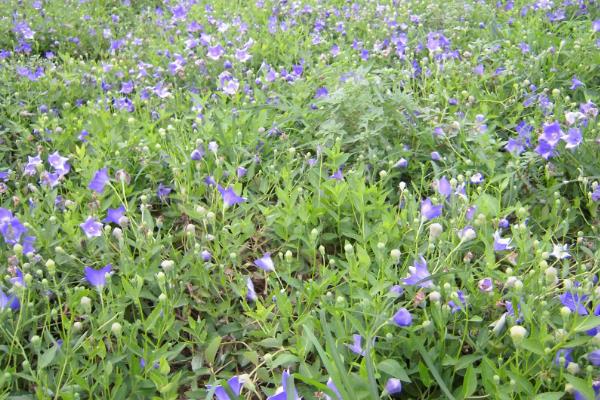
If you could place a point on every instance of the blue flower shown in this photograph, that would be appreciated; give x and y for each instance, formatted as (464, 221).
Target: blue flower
(393, 386)
(91, 227)
(334, 389)
(282, 392)
(230, 198)
(99, 180)
(443, 187)
(501, 244)
(574, 302)
(234, 383)
(97, 277)
(251, 294)
(429, 211)
(114, 215)
(356, 346)
(265, 263)
(402, 318)
(567, 354)
(11, 301)
(419, 274)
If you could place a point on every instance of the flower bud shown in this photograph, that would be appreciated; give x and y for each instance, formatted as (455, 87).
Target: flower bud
(518, 334)
(435, 296)
(289, 256)
(116, 329)
(435, 230)
(86, 303)
(395, 254)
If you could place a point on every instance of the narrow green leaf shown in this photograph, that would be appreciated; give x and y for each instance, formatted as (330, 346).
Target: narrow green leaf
(211, 349)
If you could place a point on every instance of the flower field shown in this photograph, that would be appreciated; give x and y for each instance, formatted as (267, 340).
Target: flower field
(285, 199)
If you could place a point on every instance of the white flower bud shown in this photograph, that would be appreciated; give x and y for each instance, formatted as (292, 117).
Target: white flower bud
(518, 333)
(435, 230)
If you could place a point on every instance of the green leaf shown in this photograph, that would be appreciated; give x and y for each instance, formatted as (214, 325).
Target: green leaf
(211, 349)
(466, 361)
(469, 382)
(587, 323)
(533, 346)
(47, 358)
(419, 346)
(487, 205)
(582, 386)
(284, 359)
(196, 363)
(549, 396)
(394, 369)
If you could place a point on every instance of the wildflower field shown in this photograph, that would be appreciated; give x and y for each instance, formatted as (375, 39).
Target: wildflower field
(285, 199)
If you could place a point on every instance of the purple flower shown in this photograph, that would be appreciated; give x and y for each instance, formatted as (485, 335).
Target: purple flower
(501, 244)
(60, 164)
(393, 386)
(215, 52)
(435, 156)
(544, 149)
(322, 92)
(242, 55)
(594, 358)
(337, 175)
(234, 383)
(596, 26)
(471, 210)
(198, 153)
(229, 196)
(486, 285)
(568, 356)
(477, 178)
(419, 274)
(596, 194)
(455, 307)
(99, 180)
(334, 389)
(595, 387)
(397, 290)
(251, 294)
(114, 215)
(282, 393)
(552, 133)
(573, 138)
(356, 346)
(240, 171)
(429, 211)
(511, 311)
(265, 263)
(575, 83)
(11, 301)
(402, 318)
(210, 181)
(402, 163)
(574, 302)
(206, 256)
(163, 191)
(18, 280)
(443, 187)
(91, 227)
(97, 277)
(10, 227)
(32, 164)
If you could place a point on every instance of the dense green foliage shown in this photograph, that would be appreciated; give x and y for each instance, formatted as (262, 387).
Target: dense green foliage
(273, 170)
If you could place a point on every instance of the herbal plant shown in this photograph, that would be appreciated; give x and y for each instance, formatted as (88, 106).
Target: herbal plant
(282, 199)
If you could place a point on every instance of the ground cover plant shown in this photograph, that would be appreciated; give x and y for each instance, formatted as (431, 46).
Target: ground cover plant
(309, 199)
